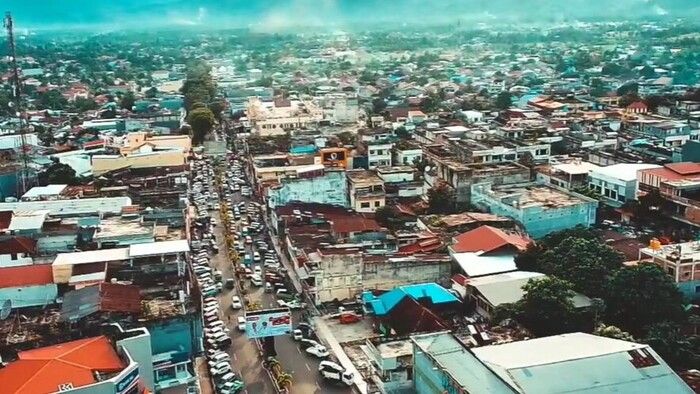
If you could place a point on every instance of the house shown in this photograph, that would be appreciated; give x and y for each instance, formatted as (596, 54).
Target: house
(617, 184)
(487, 250)
(678, 184)
(430, 294)
(94, 364)
(392, 364)
(17, 251)
(591, 364)
(570, 175)
(325, 187)
(637, 107)
(366, 191)
(540, 209)
(27, 285)
(680, 261)
(490, 291)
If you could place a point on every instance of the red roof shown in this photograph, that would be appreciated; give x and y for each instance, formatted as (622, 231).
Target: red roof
(353, 223)
(26, 275)
(18, 245)
(637, 105)
(423, 246)
(120, 298)
(44, 370)
(676, 171)
(5, 219)
(487, 239)
(460, 279)
(685, 168)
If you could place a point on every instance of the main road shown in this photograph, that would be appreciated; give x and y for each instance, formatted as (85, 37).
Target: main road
(244, 352)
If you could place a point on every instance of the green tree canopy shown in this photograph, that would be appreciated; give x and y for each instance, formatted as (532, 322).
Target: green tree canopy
(546, 308)
(128, 100)
(440, 199)
(640, 296)
(58, 173)
(680, 350)
(504, 100)
(586, 263)
(201, 120)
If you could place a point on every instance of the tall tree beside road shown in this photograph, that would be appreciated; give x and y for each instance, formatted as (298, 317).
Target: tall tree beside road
(199, 87)
(201, 120)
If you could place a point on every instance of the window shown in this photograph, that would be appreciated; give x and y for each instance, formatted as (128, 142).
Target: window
(697, 289)
(364, 205)
(13, 256)
(377, 204)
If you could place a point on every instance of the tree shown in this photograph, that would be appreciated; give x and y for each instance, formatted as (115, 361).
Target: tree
(586, 263)
(151, 93)
(53, 99)
(128, 100)
(640, 296)
(679, 350)
(546, 307)
(58, 173)
(85, 104)
(504, 100)
(346, 138)
(402, 133)
(440, 199)
(387, 217)
(201, 120)
(529, 259)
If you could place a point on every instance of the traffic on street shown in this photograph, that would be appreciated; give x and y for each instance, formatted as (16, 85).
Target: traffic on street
(240, 271)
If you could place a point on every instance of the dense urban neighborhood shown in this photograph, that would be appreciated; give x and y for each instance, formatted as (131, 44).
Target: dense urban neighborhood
(461, 208)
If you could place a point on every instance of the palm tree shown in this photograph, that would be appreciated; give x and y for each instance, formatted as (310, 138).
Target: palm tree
(284, 380)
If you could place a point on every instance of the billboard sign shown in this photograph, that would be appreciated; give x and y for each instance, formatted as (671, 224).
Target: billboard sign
(268, 323)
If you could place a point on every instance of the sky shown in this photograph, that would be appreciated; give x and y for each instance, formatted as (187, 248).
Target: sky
(274, 15)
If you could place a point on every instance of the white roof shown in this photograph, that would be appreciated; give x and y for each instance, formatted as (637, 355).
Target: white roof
(503, 288)
(456, 129)
(576, 168)
(623, 171)
(551, 350)
(475, 265)
(92, 256)
(158, 248)
(28, 220)
(69, 207)
(48, 190)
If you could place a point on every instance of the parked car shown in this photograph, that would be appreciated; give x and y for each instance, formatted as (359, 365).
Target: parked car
(236, 302)
(319, 351)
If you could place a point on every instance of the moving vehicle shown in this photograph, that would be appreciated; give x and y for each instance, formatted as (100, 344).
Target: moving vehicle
(319, 351)
(256, 280)
(241, 323)
(236, 302)
(334, 372)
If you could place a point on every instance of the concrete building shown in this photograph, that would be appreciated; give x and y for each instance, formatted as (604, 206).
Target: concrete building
(591, 364)
(678, 184)
(407, 154)
(568, 175)
(96, 365)
(71, 207)
(540, 209)
(27, 286)
(487, 250)
(280, 115)
(681, 262)
(146, 156)
(617, 184)
(330, 187)
(366, 191)
(391, 364)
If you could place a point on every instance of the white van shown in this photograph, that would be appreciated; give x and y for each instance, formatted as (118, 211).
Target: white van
(256, 280)
(241, 323)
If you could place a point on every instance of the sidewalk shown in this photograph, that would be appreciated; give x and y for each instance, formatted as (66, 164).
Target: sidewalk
(326, 335)
(205, 385)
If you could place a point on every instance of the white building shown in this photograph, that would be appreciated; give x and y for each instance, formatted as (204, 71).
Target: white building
(617, 184)
(281, 115)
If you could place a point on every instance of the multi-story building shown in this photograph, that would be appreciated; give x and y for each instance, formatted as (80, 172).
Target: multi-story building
(681, 262)
(569, 174)
(617, 184)
(281, 115)
(366, 191)
(391, 364)
(443, 364)
(679, 185)
(540, 209)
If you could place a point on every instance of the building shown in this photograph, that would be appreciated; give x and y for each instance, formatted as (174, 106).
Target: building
(95, 365)
(591, 364)
(328, 187)
(391, 364)
(400, 182)
(617, 184)
(681, 262)
(281, 115)
(407, 154)
(146, 156)
(71, 207)
(25, 286)
(678, 184)
(569, 175)
(490, 291)
(487, 250)
(134, 142)
(540, 209)
(366, 191)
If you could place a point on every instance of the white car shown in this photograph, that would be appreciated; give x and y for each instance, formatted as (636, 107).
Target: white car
(319, 351)
(236, 302)
(241, 323)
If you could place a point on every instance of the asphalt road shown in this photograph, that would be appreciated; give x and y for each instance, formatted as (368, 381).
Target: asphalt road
(244, 352)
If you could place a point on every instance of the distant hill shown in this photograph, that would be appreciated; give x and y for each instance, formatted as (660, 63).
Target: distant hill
(273, 13)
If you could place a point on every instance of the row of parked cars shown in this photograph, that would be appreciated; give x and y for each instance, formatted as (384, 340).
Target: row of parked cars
(211, 281)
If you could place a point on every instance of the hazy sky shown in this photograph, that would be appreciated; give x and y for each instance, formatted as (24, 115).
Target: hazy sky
(281, 14)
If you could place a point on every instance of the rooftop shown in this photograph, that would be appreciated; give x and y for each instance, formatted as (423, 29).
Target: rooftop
(535, 195)
(364, 178)
(486, 239)
(75, 363)
(384, 303)
(26, 275)
(623, 171)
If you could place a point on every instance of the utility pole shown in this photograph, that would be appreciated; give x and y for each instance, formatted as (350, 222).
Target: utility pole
(17, 96)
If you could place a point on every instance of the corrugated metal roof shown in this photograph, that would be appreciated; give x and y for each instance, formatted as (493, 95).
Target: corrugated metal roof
(92, 256)
(28, 220)
(105, 297)
(26, 275)
(384, 303)
(158, 248)
(48, 190)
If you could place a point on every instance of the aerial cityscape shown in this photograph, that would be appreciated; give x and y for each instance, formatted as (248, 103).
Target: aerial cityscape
(336, 196)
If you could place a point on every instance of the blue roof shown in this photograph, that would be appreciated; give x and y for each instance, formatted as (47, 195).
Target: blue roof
(303, 149)
(384, 303)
